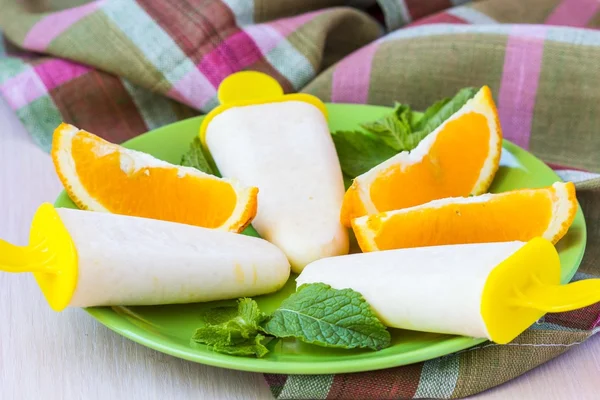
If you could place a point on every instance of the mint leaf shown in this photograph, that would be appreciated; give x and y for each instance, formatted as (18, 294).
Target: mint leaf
(250, 347)
(419, 124)
(196, 158)
(393, 128)
(437, 115)
(238, 335)
(320, 315)
(218, 315)
(358, 152)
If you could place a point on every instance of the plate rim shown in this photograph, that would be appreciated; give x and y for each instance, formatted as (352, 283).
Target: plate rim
(105, 315)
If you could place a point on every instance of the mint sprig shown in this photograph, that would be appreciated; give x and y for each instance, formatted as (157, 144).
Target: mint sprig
(320, 315)
(316, 314)
(238, 335)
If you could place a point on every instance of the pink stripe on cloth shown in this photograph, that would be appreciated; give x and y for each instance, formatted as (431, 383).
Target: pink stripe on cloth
(522, 66)
(48, 28)
(352, 76)
(264, 36)
(235, 53)
(286, 26)
(23, 89)
(576, 13)
(193, 89)
(56, 72)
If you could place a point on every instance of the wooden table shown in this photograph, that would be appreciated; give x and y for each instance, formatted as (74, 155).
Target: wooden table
(45, 355)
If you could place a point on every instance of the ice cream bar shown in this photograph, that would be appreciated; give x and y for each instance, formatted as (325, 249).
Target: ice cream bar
(83, 258)
(488, 290)
(282, 145)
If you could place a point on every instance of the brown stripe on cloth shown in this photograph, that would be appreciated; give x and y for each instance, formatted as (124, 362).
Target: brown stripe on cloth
(584, 319)
(393, 383)
(197, 26)
(419, 8)
(276, 383)
(104, 108)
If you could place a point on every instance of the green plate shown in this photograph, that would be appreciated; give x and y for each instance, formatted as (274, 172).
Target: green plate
(168, 328)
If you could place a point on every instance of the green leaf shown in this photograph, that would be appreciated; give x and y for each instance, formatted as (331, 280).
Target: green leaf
(438, 113)
(320, 315)
(358, 152)
(250, 347)
(196, 158)
(238, 334)
(419, 124)
(218, 315)
(393, 128)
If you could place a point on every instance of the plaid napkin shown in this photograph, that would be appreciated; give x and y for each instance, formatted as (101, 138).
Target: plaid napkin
(119, 68)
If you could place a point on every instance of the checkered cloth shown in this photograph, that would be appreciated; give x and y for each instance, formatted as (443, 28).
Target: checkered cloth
(119, 68)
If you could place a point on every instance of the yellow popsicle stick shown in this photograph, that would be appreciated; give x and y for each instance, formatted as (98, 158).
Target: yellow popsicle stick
(526, 286)
(25, 258)
(246, 88)
(560, 298)
(51, 257)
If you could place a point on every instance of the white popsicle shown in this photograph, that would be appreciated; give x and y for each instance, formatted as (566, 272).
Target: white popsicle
(432, 289)
(126, 260)
(84, 259)
(285, 149)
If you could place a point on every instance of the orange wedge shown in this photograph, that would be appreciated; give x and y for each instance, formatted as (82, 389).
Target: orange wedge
(102, 176)
(516, 215)
(459, 158)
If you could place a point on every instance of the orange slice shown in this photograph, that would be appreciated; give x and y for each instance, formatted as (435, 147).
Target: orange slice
(459, 158)
(516, 215)
(102, 176)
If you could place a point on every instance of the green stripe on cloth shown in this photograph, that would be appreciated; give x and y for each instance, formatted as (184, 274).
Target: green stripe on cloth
(322, 86)
(156, 110)
(243, 11)
(517, 11)
(10, 67)
(40, 118)
(338, 28)
(568, 73)
(290, 63)
(2, 46)
(489, 365)
(392, 383)
(145, 34)
(438, 378)
(15, 21)
(306, 387)
(424, 79)
(74, 44)
(395, 12)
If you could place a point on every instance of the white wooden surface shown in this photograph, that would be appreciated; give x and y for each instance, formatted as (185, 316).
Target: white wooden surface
(45, 355)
